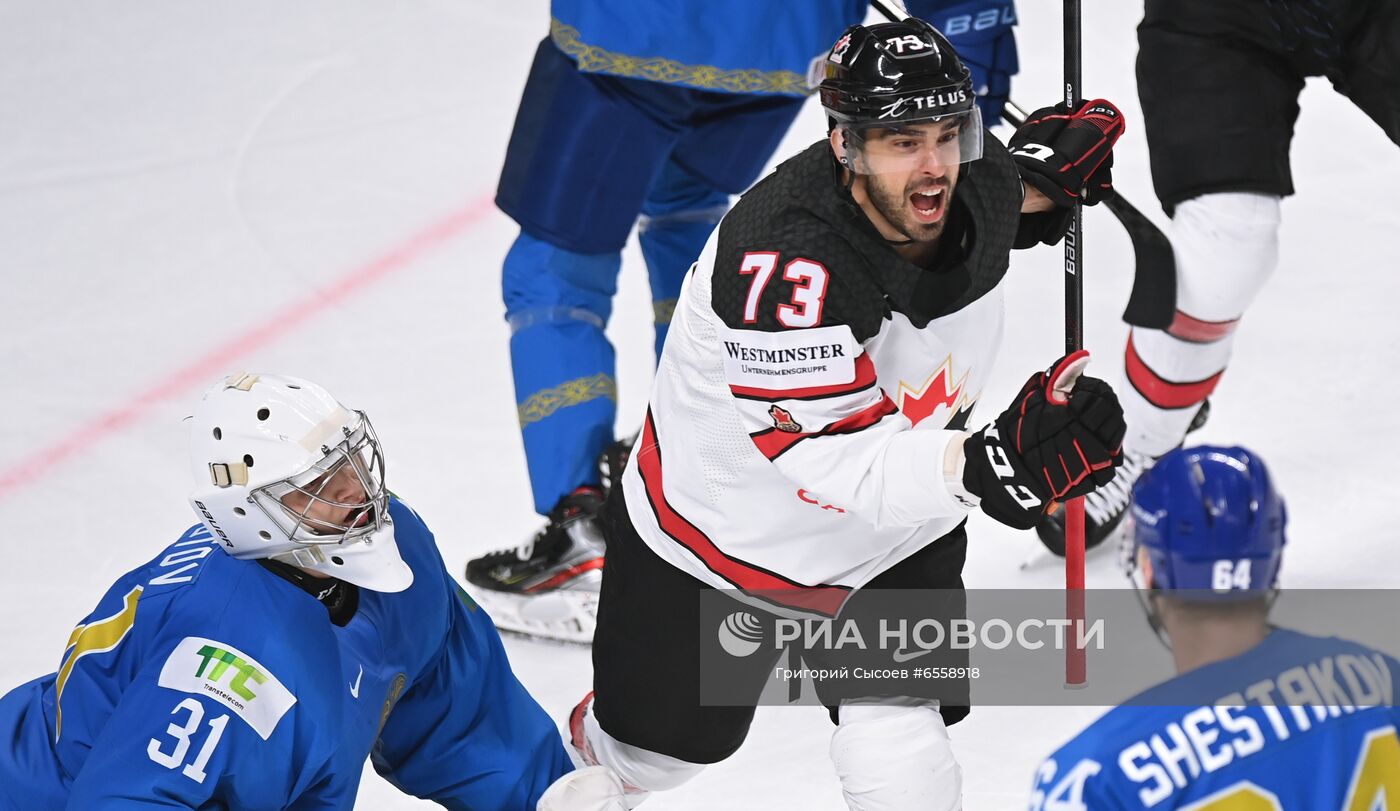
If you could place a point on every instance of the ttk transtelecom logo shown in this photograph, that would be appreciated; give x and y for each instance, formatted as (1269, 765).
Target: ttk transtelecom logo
(219, 671)
(740, 634)
(243, 671)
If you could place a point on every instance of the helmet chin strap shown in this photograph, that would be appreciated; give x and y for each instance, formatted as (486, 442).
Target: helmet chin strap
(1154, 617)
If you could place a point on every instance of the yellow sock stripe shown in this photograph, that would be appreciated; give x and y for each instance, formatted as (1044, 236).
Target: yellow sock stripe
(592, 59)
(545, 402)
(96, 637)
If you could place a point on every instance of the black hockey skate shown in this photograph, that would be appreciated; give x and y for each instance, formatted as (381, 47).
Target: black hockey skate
(1105, 508)
(548, 587)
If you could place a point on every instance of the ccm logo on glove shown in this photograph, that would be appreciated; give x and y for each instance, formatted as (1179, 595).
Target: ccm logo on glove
(1060, 439)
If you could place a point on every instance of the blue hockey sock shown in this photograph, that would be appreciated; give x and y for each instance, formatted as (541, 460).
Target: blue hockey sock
(557, 304)
(679, 214)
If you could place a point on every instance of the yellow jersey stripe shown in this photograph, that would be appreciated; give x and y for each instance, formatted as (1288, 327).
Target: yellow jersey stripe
(72, 640)
(95, 637)
(592, 59)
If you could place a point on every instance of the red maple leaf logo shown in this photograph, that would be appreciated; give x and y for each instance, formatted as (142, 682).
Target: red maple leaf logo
(783, 421)
(838, 51)
(919, 404)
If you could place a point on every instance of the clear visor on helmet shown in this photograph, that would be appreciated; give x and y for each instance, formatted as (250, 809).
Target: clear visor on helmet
(340, 499)
(908, 146)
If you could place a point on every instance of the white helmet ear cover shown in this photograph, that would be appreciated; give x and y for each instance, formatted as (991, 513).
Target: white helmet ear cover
(253, 436)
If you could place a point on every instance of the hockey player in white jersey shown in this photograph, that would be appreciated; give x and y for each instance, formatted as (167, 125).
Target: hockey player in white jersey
(663, 109)
(805, 434)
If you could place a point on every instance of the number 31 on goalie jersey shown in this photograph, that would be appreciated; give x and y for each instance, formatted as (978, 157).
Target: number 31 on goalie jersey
(808, 293)
(180, 732)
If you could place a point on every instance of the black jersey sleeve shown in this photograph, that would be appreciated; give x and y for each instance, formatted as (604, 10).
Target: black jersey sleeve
(1043, 228)
(794, 277)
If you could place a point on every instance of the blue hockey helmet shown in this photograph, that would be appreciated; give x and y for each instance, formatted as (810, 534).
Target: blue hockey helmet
(1209, 524)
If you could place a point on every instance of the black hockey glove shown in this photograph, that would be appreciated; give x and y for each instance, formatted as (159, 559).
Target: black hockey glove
(1063, 154)
(1060, 439)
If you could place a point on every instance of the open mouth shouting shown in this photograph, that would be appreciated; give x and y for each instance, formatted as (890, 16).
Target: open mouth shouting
(929, 204)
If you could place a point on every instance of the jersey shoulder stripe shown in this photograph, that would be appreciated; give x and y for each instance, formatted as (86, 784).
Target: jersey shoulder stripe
(774, 442)
(93, 637)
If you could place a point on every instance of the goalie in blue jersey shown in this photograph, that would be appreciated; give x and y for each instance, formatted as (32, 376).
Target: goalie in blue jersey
(1258, 717)
(305, 624)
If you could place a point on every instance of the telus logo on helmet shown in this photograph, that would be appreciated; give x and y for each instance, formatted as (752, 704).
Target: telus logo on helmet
(923, 103)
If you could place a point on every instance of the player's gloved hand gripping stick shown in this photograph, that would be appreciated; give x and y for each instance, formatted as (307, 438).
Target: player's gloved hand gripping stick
(1152, 302)
(1061, 151)
(1060, 439)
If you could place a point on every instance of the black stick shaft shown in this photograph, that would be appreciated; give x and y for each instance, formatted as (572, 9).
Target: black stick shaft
(1074, 240)
(1076, 670)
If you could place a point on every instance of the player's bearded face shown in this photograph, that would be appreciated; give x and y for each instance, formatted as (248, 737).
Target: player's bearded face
(912, 173)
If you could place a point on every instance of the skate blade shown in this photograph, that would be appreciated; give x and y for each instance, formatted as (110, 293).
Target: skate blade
(565, 615)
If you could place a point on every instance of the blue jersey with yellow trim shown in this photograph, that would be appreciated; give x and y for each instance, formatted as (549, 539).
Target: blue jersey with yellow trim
(740, 46)
(1298, 722)
(203, 681)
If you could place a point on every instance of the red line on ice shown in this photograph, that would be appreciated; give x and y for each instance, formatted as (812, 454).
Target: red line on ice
(223, 357)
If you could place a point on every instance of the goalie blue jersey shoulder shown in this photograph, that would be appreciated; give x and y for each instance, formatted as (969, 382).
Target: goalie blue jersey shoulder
(1297, 722)
(201, 680)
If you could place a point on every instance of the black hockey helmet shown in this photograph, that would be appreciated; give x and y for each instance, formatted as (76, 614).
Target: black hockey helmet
(893, 74)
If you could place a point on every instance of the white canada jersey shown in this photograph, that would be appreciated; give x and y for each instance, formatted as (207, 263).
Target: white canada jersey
(811, 382)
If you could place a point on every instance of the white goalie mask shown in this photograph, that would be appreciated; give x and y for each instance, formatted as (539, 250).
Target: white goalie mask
(284, 471)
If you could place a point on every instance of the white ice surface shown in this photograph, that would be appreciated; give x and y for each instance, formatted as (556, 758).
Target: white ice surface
(174, 175)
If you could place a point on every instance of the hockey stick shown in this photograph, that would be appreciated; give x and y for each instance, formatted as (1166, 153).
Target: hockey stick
(1075, 664)
(1075, 675)
(1152, 302)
